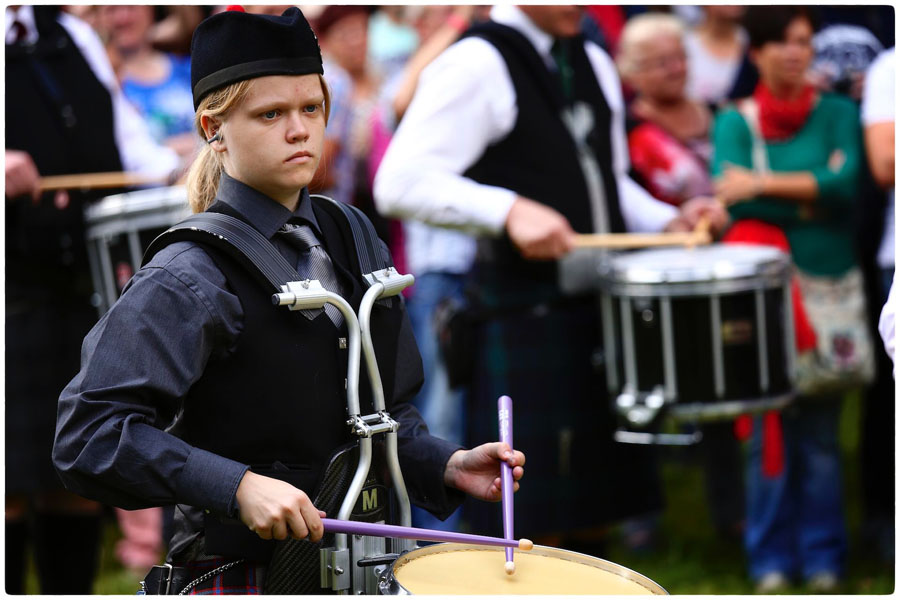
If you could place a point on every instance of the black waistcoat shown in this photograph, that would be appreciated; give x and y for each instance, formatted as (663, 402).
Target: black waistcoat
(280, 396)
(58, 112)
(538, 159)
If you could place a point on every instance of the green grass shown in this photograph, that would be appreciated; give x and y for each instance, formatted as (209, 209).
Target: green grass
(689, 558)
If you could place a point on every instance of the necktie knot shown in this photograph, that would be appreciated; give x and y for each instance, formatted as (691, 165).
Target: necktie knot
(301, 236)
(314, 263)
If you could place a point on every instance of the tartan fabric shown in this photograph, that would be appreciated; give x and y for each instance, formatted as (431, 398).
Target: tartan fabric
(576, 476)
(246, 578)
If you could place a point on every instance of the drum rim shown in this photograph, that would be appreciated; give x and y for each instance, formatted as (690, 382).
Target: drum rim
(700, 288)
(619, 272)
(130, 204)
(610, 567)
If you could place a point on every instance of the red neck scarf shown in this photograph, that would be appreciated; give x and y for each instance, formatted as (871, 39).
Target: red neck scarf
(780, 119)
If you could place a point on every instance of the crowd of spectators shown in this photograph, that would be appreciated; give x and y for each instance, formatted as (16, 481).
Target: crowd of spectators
(823, 83)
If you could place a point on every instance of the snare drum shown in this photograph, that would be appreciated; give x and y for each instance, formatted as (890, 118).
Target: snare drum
(696, 334)
(470, 569)
(119, 229)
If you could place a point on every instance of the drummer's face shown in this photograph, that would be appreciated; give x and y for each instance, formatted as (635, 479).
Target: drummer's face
(273, 139)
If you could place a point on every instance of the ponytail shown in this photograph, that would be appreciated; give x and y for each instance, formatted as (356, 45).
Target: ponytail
(203, 179)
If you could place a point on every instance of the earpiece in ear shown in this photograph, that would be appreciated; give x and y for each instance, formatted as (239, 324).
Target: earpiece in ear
(214, 138)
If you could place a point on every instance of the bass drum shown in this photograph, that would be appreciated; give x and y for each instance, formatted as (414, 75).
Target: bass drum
(120, 228)
(450, 569)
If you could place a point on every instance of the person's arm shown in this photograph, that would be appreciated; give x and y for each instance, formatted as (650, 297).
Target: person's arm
(464, 102)
(138, 362)
(887, 324)
(640, 210)
(879, 139)
(877, 115)
(732, 148)
(22, 176)
(831, 183)
(439, 41)
(738, 184)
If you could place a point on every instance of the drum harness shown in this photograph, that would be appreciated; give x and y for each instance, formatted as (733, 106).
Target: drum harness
(253, 251)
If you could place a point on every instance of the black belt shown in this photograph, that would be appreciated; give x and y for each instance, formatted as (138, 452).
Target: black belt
(165, 580)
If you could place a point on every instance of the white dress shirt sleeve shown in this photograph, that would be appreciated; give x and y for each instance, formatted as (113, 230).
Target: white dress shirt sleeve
(887, 324)
(464, 101)
(878, 91)
(138, 151)
(640, 211)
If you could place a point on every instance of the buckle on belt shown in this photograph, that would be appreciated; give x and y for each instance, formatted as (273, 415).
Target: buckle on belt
(168, 578)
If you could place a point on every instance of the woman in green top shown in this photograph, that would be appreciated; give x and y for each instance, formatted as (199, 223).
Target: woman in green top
(795, 525)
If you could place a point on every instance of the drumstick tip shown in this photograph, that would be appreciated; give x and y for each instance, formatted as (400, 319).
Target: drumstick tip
(510, 567)
(526, 544)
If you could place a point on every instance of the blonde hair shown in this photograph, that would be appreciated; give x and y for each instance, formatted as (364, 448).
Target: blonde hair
(206, 170)
(639, 31)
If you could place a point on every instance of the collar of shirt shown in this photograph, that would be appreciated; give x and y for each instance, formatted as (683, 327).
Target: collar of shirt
(512, 16)
(25, 16)
(265, 214)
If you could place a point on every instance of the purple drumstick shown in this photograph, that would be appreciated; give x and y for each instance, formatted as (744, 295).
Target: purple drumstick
(415, 533)
(504, 413)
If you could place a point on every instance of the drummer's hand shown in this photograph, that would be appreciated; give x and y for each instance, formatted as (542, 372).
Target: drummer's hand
(274, 509)
(737, 184)
(22, 176)
(538, 231)
(696, 208)
(477, 471)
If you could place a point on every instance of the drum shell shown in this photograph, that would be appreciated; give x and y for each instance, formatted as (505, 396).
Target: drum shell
(702, 334)
(118, 230)
(692, 326)
(389, 585)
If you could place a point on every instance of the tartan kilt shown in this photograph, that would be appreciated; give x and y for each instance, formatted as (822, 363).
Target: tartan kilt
(576, 476)
(246, 578)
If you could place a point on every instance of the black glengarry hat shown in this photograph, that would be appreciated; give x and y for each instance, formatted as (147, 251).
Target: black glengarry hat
(234, 45)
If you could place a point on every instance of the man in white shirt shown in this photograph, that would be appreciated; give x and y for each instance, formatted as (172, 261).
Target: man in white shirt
(516, 133)
(65, 114)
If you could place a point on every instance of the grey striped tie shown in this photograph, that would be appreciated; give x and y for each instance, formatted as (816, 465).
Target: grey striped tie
(314, 263)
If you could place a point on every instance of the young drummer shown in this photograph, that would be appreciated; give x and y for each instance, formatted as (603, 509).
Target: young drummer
(194, 390)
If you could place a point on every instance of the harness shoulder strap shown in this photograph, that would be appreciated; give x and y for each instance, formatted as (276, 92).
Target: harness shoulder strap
(235, 237)
(372, 253)
(255, 253)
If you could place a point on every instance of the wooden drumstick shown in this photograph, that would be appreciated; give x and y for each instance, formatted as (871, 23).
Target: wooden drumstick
(701, 234)
(624, 241)
(83, 181)
(504, 414)
(415, 533)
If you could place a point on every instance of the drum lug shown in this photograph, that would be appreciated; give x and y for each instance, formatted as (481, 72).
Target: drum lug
(640, 409)
(335, 569)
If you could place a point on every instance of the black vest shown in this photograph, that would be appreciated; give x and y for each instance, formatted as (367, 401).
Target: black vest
(280, 396)
(539, 159)
(58, 112)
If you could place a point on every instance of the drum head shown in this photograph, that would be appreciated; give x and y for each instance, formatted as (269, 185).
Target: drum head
(469, 569)
(729, 266)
